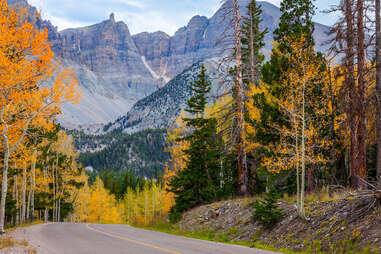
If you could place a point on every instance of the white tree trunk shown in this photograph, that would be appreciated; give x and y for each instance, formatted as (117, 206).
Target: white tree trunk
(17, 200)
(33, 168)
(303, 156)
(297, 165)
(23, 195)
(4, 185)
(29, 200)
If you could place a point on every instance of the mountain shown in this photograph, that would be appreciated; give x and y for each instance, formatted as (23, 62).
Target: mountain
(160, 109)
(201, 38)
(115, 69)
(195, 43)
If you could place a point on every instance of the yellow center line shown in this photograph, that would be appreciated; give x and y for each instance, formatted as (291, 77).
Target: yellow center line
(133, 241)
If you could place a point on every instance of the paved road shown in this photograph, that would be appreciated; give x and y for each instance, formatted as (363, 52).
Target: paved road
(61, 238)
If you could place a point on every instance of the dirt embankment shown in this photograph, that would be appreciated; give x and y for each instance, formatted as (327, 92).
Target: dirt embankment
(346, 225)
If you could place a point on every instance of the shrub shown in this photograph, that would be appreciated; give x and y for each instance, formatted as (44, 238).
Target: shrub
(267, 212)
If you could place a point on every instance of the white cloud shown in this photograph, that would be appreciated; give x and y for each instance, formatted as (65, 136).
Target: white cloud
(148, 21)
(134, 3)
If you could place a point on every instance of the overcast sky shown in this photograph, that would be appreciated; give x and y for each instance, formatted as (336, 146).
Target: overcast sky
(141, 15)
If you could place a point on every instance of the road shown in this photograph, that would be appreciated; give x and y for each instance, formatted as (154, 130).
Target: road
(62, 238)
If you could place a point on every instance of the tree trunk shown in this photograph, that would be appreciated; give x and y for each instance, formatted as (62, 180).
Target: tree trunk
(252, 54)
(59, 210)
(33, 168)
(351, 89)
(361, 136)
(54, 193)
(378, 86)
(303, 185)
(23, 195)
(17, 200)
(242, 166)
(4, 185)
(14, 193)
(46, 177)
(46, 215)
(28, 208)
(297, 165)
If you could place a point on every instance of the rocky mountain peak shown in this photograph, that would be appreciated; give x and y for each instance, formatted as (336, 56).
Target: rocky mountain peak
(112, 17)
(197, 21)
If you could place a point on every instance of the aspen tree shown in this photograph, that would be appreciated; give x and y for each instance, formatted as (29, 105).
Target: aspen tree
(26, 59)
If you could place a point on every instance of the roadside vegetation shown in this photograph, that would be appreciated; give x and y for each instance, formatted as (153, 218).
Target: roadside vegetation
(300, 132)
(38, 160)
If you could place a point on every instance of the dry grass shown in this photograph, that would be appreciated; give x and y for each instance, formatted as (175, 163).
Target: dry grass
(8, 242)
(323, 195)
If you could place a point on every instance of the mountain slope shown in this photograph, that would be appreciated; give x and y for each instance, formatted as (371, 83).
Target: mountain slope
(200, 39)
(160, 108)
(115, 70)
(195, 42)
(142, 152)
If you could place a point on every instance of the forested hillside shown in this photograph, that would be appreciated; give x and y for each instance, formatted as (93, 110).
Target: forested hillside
(142, 152)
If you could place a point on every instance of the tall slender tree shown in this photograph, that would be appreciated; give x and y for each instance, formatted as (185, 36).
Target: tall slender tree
(240, 101)
(198, 182)
(378, 85)
(360, 101)
(252, 43)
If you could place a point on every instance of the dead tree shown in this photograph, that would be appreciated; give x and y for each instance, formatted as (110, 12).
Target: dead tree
(378, 86)
(361, 124)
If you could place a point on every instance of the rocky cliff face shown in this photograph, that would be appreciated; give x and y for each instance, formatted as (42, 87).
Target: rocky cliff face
(194, 43)
(201, 39)
(111, 72)
(115, 70)
(107, 49)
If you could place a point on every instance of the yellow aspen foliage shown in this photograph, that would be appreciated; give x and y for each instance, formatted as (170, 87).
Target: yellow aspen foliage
(96, 205)
(26, 62)
(81, 200)
(147, 206)
(299, 110)
(176, 147)
(220, 110)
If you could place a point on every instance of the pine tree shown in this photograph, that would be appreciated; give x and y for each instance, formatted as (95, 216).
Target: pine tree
(252, 58)
(198, 183)
(252, 43)
(295, 22)
(296, 19)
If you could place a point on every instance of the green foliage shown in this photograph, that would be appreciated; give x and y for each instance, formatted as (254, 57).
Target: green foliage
(142, 152)
(118, 183)
(252, 39)
(200, 181)
(267, 212)
(296, 19)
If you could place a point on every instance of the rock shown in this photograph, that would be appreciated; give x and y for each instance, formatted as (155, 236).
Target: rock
(116, 71)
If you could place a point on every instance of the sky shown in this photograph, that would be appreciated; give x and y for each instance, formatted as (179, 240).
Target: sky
(142, 15)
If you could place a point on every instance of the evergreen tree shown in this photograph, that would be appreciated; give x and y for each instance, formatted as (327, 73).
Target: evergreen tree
(296, 19)
(267, 212)
(199, 182)
(295, 22)
(252, 43)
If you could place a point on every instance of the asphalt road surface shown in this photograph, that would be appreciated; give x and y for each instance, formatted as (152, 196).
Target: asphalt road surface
(61, 238)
